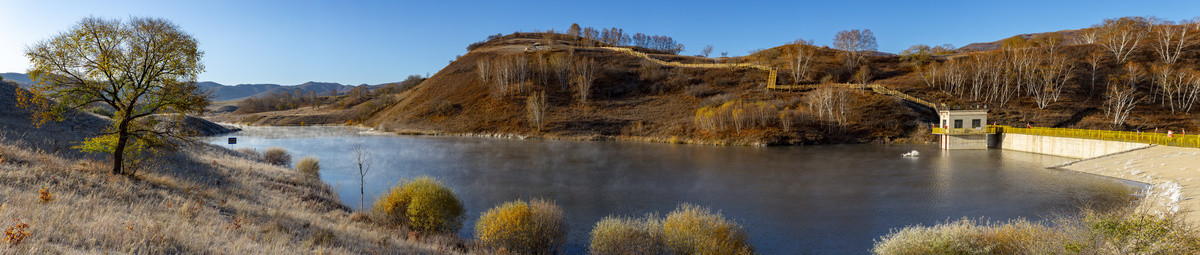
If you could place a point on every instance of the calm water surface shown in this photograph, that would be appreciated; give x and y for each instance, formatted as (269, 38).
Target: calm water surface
(791, 200)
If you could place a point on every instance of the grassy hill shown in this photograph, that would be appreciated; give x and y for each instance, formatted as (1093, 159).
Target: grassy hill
(631, 99)
(197, 198)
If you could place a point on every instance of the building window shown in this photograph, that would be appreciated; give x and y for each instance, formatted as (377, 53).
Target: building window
(975, 123)
(958, 124)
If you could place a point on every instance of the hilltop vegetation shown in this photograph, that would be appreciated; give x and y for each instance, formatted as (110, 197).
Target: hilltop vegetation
(1075, 78)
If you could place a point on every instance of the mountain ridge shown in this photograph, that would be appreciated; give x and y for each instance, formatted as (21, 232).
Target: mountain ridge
(222, 92)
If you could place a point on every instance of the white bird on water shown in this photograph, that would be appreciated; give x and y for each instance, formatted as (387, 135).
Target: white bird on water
(911, 154)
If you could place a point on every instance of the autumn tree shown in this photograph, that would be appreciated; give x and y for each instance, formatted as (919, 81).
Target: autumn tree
(855, 43)
(918, 54)
(139, 68)
(707, 50)
(1122, 36)
(574, 31)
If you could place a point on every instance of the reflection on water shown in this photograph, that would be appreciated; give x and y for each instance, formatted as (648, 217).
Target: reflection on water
(791, 200)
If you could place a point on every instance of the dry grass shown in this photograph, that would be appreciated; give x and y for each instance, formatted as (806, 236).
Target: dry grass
(1125, 231)
(203, 199)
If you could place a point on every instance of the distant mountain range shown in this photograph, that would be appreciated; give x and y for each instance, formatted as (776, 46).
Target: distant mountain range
(221, 92)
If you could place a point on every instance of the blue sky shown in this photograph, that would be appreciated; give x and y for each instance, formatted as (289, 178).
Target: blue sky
(354, 42)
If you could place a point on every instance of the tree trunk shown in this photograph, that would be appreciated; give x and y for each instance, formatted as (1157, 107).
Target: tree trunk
(361, 191)
(119, 151)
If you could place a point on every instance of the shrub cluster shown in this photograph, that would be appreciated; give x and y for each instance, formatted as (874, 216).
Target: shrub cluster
(690, 229)
(250, 152)
(423, 204)
(534, 227)
(616, 235)
(277, 156)
(737, 115)
(309, 165)
(285, 100)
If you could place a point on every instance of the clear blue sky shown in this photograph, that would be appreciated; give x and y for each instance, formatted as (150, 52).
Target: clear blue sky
(354, 42)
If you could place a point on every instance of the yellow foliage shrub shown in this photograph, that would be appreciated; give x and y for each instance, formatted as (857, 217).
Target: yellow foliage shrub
(534, 227)
(423, 204)
(691, 229)
(309, 165)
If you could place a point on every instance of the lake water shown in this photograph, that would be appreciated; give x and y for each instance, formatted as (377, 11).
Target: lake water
(835, 199)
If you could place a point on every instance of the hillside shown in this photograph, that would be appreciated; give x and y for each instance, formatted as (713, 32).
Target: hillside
(19, 78)
(637, 100)
(194, 199)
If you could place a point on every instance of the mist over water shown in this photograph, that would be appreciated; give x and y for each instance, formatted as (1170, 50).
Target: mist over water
(833, 199)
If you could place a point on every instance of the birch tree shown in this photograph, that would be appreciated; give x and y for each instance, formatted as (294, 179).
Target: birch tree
(585, 75)
(1123, 36)
(855, 44)
(1122, 94)
(1170, 40)
(535, 108)
(799, 56)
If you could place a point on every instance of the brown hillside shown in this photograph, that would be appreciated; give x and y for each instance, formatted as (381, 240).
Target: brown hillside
(631, 98)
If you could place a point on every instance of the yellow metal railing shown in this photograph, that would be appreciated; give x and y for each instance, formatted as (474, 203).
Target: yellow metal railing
(1181, 140)
(990, 129)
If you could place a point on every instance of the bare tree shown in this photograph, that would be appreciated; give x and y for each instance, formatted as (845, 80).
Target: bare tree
(535, 107)
(484, 68)
(800, 54)
(855, 43)
(591, 34)
(364, 160)
(1049, 41)
(1122, 36)
(830, 104)
(1094, 60)
(1086, 35)
(1122, 94)
(707, 50)
(1177, 87)
(560, 64)
(509, 74)
(1049, 77)
(1170, 40)
(585, 75)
